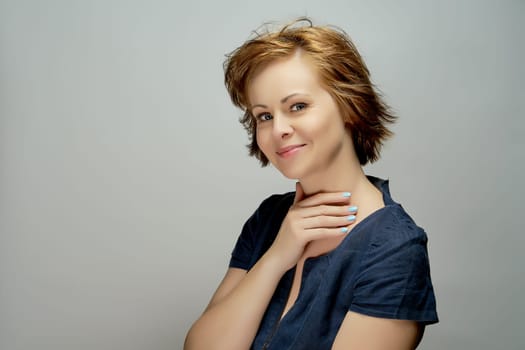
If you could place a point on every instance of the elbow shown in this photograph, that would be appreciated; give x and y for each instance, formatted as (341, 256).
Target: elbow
(197, 338)
(190, 342)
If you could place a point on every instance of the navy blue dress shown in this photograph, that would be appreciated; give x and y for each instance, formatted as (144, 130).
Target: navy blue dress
(380, 269)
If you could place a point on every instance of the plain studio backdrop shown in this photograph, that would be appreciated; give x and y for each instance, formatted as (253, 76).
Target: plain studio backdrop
(124, 177)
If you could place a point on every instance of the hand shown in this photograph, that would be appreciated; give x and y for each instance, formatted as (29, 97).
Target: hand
(321, 216)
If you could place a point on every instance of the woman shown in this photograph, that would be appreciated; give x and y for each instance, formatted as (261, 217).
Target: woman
(310, 269)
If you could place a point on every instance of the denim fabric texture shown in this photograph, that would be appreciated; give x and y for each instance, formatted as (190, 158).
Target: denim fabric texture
(380, 269)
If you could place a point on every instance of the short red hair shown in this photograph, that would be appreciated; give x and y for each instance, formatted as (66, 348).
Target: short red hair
(342, 72)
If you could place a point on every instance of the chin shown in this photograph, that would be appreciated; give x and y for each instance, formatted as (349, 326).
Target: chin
(292, 174)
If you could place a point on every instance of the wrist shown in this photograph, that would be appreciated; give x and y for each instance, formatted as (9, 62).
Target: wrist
(273, 261)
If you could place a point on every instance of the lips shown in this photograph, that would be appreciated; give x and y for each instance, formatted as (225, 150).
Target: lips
(289, 150)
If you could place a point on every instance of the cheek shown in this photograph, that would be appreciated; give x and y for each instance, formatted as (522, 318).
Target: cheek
(261, 140)
(265, 142)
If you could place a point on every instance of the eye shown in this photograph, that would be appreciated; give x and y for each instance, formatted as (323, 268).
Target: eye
(262, 117)
(296, 107)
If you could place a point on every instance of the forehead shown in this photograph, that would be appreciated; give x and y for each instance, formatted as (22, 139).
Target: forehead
(295, 73)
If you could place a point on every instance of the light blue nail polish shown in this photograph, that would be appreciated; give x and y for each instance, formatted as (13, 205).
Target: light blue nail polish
(346, 194)
(351, 218)
(344, 229)
(352, 208)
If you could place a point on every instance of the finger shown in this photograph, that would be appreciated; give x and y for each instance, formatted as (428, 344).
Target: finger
(325, 198)
(319, 222)
(327, 210)
(299, 193)
(320, 233)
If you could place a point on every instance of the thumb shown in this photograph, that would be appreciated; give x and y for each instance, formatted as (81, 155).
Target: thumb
(299, 193)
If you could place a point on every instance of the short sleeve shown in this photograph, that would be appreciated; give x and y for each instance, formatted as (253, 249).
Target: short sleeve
(394, 279)
(244, 247)
(259, 231)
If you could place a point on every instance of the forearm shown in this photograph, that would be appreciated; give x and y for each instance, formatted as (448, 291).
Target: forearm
(232, 322)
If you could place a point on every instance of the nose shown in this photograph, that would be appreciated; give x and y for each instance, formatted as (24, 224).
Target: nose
(282, 126)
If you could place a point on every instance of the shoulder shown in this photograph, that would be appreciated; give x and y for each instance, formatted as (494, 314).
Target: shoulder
(279, 197)
(394, 245)
(276, 203)
(395, 238)
(259, 231)
(393, 223)
(273, 206)
(394, 280)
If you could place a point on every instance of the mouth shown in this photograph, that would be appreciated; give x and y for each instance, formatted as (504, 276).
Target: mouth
(289, 151)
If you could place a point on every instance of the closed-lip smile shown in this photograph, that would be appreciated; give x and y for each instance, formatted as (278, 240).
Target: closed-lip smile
(288, 150)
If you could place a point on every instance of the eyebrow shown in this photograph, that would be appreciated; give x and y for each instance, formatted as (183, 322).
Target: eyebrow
(283, 100)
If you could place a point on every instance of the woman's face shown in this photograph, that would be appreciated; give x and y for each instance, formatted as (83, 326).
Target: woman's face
(299, 126)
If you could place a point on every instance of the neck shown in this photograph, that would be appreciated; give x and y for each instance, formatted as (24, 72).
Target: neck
(341, 178)
(343, 174)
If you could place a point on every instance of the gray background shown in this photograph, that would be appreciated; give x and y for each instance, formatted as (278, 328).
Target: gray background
(124, 180)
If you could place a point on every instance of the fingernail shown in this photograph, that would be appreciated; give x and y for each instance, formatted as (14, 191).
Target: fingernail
(346, 194)
(353, 208)
(351, 218)
(344, 229)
